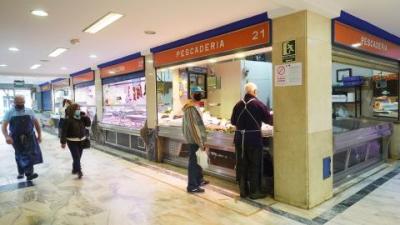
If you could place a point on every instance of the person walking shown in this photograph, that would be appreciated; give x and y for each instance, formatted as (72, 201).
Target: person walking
(248, 115)
(73, 134)
(21, 123)
(62, 111)
(194, 132)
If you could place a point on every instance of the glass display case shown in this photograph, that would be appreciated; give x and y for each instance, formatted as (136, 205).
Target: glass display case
(59, 96)
(385, 95)
(125, 103)
(222, 83)
(86, 98)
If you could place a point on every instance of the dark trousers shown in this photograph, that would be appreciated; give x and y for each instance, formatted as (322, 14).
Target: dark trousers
(195, 172)
(248, 169)
(27, 169)
(76, 152)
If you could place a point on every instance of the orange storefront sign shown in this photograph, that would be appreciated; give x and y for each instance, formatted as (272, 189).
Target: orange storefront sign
(130, 66)
(252, 36)
(61, 83)
(89, 76)
(357, 39)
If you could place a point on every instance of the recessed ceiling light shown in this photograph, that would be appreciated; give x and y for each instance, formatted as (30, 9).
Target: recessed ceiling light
(63, 68)
(356, 45)
(34, 67)
(103, 22)
(150, 32)
(3, 65)
(39, 12)
(57, 52)
(13, 49)
(111, 72)
(93, 56)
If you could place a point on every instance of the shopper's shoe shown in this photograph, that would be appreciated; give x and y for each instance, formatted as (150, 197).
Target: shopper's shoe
(20, 176)
(32, 176)
(196, 190)
(204, 183)
(257, 195)
(74, 172)
(80, 174)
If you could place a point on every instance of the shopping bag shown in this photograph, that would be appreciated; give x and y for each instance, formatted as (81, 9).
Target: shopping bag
(202, 159)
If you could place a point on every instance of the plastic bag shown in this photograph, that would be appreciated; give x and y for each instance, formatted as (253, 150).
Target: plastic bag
(202, 158)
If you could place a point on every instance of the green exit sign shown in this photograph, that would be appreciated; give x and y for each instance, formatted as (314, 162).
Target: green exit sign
(19, 83)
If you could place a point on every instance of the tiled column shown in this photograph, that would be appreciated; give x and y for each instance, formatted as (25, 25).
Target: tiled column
(302, 114)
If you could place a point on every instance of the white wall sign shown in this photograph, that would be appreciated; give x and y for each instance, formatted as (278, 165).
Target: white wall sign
(289, 74)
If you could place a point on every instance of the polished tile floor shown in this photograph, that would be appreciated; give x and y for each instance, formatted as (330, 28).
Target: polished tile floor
(114, 191)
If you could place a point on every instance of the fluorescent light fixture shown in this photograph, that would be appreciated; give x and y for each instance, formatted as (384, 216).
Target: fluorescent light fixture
(93, 56)
(356, 45)
(103, 22)
(57, 52)
(63, 68)
(34, 67)
(39, 12)
(3, 65)
(13, 49)
(111, 72)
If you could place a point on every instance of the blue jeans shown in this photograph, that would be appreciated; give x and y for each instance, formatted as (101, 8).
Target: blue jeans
(195, 172)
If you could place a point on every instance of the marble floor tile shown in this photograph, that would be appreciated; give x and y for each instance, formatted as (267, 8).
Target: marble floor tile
(114, 191)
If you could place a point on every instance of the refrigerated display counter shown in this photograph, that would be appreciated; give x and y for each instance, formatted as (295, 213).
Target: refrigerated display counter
(219, 144)
(358, 144)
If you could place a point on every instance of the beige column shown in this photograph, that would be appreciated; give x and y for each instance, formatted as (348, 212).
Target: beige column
(71, 86)
(302, 114)
(151, 92)
(98, 87)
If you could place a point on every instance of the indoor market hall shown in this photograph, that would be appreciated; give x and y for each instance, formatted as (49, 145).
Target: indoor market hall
(199, 112)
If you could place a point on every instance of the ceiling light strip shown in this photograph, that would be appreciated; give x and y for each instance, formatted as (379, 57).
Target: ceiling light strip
(103, 22)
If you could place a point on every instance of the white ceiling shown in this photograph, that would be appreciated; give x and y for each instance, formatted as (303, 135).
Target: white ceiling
(171, 19)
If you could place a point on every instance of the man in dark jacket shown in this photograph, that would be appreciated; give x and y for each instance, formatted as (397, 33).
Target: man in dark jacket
(248, 115)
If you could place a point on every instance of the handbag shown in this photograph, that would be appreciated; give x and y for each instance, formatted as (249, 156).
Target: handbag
(85, 144)
(202, 159)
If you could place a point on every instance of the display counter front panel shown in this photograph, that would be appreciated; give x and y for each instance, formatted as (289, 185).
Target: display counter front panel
(123, 138)
(220, 146)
